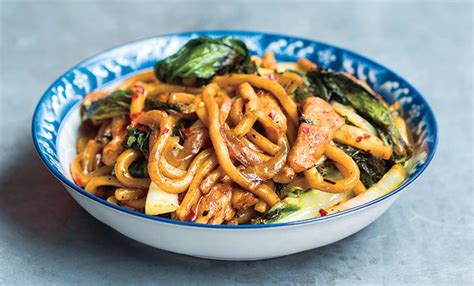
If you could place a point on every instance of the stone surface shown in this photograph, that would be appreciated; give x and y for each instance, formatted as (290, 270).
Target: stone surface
(425, 238)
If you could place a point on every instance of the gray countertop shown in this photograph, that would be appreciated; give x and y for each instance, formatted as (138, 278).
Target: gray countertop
(425, 238)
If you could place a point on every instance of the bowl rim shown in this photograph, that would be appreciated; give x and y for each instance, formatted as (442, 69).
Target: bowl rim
(66, 181)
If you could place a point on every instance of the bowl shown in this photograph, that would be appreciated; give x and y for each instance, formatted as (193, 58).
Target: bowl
(56, 122)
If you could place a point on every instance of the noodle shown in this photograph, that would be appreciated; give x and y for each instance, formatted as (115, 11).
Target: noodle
(220, 152)
(121, 170)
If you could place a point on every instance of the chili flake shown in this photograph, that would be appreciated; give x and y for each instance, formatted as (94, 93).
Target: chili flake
(187, 132)
(139, 89)
(271, 76)
(358, 139)
(191, 216)
(77, 179)
(322, 212)
(271, 115)
(134, 116)
(305, 129)
(165, 130)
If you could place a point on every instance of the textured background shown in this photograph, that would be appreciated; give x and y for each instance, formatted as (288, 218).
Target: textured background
(425, 238)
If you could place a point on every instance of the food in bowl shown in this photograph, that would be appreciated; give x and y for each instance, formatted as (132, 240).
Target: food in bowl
(215, 136)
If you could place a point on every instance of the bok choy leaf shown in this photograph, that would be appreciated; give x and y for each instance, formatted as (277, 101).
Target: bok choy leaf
(330, 85)
(203, 58)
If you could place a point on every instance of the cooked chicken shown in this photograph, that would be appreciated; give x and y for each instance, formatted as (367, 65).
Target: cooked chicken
(215, 207)
(319, 123)
(271, 116)
(242, 199)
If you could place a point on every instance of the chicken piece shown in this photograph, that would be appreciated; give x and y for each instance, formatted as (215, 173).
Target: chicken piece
(285, 176)
(215, 207)
(271, 117)
(317, 129)
(242, 199)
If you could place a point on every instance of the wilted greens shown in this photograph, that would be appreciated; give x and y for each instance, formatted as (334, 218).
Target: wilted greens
(203, 58)
(138, 139)
(300, 204)
(335, 86)
(139, 169)
(371, 168)
(118, 103)
(152, 103)
(301, 94)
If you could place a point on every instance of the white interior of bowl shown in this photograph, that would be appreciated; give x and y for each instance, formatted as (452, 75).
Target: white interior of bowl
(67, 138)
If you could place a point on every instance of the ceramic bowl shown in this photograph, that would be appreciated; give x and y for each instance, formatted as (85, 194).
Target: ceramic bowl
(55, 130)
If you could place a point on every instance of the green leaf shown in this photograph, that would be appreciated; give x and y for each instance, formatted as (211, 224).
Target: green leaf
(152, 103)
(335, 86)
(300, 204)
(371, 168)
(116, 104)
(203, 58)
(138, 139)
(139, 168)
(301, 94)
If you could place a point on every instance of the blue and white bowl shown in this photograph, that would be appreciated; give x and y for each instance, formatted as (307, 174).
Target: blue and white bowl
(56, 123)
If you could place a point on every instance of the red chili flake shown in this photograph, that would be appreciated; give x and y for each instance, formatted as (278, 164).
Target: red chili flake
(358, 139)
(135, 96)
(322, 212)
(305, 129)
(164, 131)
(77, 179)
(134, 116)
(139, 88)
(142, 128)
(366, 136)
(271, 76)
(191, 216)
(187, 132)
(271, 115)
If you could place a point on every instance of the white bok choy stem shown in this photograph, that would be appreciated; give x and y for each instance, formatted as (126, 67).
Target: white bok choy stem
(353, 117)
(389, 182)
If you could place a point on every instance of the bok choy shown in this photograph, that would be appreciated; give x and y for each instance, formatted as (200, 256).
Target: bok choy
(330, 85)
(372, 168)
(118, 103)
(203, 58)
(301, 204)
